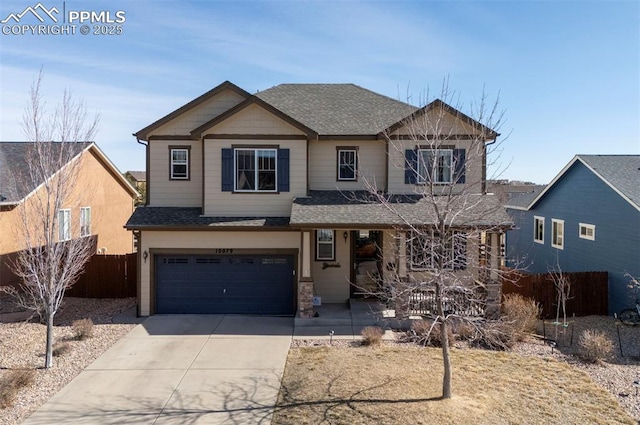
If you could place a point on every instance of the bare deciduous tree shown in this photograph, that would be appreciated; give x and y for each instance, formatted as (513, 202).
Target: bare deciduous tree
(447, 228)
(52, 258)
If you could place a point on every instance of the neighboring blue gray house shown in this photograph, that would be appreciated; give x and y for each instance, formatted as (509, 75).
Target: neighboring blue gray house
(586, 219)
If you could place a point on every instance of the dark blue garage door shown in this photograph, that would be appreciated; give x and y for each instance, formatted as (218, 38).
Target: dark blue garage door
(229, 284)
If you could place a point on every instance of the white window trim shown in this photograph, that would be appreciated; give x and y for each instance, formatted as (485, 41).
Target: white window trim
(83, 222)
(64, 225)
(537, 218)
(587, 226)
(173, 162)
(333, 246)
(355, 168)
(421, 163)
(255, 153)
(554, 235)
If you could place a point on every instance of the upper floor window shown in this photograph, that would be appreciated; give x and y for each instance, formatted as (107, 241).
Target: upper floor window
(325, 245)
(64, 225)
(435, 166)
(538, 229)
(557, 233)
(179, 167)
(85, 221)
(429, 250)
(347, 164)
(445, 165)
(256, 170)
(587, 231)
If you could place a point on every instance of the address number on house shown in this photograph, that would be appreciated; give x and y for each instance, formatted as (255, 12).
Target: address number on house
(223, 251)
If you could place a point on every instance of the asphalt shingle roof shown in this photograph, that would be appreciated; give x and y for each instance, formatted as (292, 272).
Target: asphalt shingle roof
(523, 200)
(337, 109)
(621, 171)
(192, 217)
(140, 176)
(361, 208)
(15, 182)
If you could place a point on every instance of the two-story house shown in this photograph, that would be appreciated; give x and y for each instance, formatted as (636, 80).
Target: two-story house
(586, 219)
(255, 203)
(99, 202)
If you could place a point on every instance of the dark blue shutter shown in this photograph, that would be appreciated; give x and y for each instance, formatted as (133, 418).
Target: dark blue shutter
(459, 158)
(283, 170)
(411, 166)
(227, 170)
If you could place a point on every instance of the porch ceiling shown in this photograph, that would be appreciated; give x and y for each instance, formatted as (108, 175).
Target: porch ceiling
(360, 209)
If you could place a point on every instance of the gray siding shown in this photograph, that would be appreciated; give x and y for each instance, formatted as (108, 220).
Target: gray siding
(581, 197)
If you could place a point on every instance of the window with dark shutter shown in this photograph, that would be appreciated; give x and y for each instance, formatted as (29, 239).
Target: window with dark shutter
(411, 166)
(283, 170)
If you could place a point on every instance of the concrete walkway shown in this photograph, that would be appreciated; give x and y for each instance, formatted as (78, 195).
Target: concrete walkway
(191, 369)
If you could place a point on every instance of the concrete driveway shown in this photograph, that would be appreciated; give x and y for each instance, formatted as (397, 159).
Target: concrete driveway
(180, 369)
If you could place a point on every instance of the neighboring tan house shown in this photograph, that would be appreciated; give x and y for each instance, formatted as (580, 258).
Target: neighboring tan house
(255, 202)
(586, 219)
(99, 205)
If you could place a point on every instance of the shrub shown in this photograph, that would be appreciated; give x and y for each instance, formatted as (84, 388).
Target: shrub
(594, 346)
(522, 313)
(494, 335)
(82, 329)
(465, 331)
(372, 335)
(60, 348)
(424, 332)
(11, 383)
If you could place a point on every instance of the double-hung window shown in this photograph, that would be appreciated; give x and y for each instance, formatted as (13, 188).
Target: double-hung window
(179, 167)
(557, 233)
(538, 229)
(435, 166)
(256, 170)
(85, 221)
(64, 225)
(325, 245)
(347, 164)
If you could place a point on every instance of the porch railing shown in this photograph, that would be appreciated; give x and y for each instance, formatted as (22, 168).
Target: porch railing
(458, 301)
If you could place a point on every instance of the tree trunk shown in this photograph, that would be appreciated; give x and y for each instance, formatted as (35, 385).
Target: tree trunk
(48, 362)
(446, 360)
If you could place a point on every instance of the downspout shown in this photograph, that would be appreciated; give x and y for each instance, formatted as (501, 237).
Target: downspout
(146, 166)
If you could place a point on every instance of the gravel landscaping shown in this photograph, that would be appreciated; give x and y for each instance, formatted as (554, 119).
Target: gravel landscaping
(22, 345)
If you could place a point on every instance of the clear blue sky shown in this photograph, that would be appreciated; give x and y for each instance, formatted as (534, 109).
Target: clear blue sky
(567, 73)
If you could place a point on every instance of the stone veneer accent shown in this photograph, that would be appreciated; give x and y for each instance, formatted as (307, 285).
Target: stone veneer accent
(305, 298)
(494, 295)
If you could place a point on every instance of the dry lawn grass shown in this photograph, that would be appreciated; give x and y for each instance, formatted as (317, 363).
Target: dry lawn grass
(402, 385)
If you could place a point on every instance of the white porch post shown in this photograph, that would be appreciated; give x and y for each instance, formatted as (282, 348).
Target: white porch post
(305, 283)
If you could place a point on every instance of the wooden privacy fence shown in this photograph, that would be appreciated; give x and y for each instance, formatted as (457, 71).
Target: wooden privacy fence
(107, 276)
(588, 294)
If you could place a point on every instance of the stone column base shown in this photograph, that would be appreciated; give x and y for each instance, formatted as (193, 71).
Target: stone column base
(494, 300)
(305, 298)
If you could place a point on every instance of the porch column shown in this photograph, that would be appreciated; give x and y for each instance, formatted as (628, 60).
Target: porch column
(494, 285)
(402, 255)
(305, 283)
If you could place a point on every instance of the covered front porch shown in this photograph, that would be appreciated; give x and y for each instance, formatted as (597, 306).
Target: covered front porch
(352, 250)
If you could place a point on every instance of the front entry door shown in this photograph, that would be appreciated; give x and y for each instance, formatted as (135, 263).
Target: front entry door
(366, 254)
